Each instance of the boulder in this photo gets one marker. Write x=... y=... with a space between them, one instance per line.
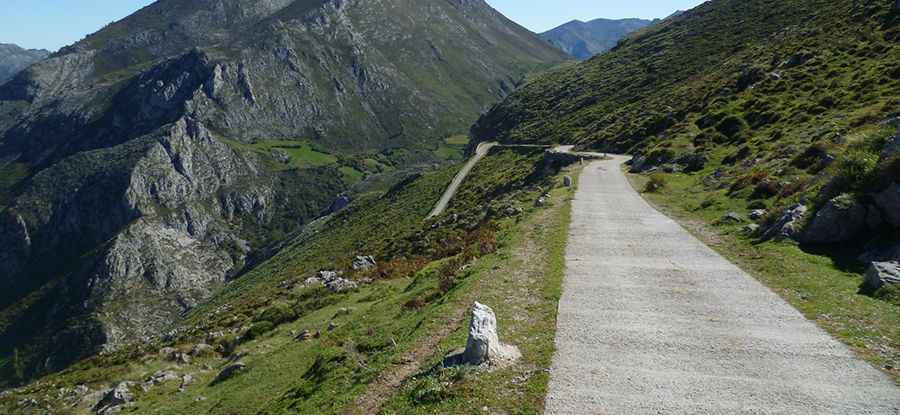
x=692 y=162
x=303 y=336
x=732 y=217
x=340 y=285
x=203 y=350
x=751 y=229
x=787 y=226
x=113 y=399
x=483 y=345
x=889 y=203
x=543 y=200
x=158 y=378
x=186 y=381
x=880 y=274
x=840 y=220
x=229 y=372
x=567 y=181
x=757 y=214
x=364 y=263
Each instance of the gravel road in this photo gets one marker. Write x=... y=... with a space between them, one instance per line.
x=654 y=322
x=480 y=152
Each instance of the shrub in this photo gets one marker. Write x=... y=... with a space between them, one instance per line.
x=856 y=169
x=428 y=391
x=278 y=313
x=258 y=329
x=657 y=182
x=731 y=126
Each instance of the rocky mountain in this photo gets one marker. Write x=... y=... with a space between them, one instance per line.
x=14 y=58
x=586 y=39
x=144 y=167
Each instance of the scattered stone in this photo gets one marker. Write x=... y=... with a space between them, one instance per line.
x=366 y=281
x=880 y=274
x=200 y=399
x=158 y=378
x=203 y=350
x=332 y=326
x=751 y=229
x=340 y=285
x=787 y=226
x=167 y=353
x=186 y=381
x=567 y=181
x=343 y=311
x=312 y=281
x=303 y=336
x=114 y=398
x=364 y=263
x=732 y=217
x=229 y=372
x=281 y=156
x=483 y=345
x=757 y=214
x=543 y=200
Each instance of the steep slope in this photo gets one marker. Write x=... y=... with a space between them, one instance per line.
x=769 y=120
x=149 y=163
x=13 y=59
x=586 y=39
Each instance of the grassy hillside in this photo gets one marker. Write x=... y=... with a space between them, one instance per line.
x=429 y=273
x=738 y=106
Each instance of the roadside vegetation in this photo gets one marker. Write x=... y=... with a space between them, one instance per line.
x=310 y=350
x=823 y=284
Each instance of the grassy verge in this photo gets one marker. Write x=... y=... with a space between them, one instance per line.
x=824 y=288
x=523 y=284
x=428 y=274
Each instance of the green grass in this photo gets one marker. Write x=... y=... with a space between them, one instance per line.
x=419 y=288
x=825 y=288
x=10 y=175
x=457 y=140
x=523 y=286
x=300 y=153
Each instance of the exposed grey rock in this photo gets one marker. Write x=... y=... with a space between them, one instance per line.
x=880 y=274
x=889 y=203
x=113 y=399
x=567 y=181
x=229 y=372
x=841 y=219
x=202 y=350
x=543 y=200
x=732 y=217
x=483 y=345
x=14 y=58
x=186 y=380
x=751 y=229
x=303 y=336
x=340 y=285
x=364 y=263
x=787 y=226
x=158 y=378
x=757 y=214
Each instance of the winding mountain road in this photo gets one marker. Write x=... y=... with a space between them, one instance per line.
x=652 y=321
x=482 y=150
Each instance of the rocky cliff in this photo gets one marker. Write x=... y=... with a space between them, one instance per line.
x=143 y=165
x=13 y=59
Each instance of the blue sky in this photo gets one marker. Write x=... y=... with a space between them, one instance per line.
x=51 y=24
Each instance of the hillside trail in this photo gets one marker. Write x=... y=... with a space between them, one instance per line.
x=482 y=150
x=652 y=321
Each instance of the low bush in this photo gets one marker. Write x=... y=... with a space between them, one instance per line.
x=657 y=182
x=258 y=329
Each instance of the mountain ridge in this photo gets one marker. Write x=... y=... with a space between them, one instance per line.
x=583 y=39
x=170 y=158
x=14 y=58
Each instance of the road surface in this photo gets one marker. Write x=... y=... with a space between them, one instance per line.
x=654 y=322
x=480 y=152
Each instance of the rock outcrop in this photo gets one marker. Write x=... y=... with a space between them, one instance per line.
x=146 y=188
x=880 y=274
x=841 y=219
x=787 y=227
